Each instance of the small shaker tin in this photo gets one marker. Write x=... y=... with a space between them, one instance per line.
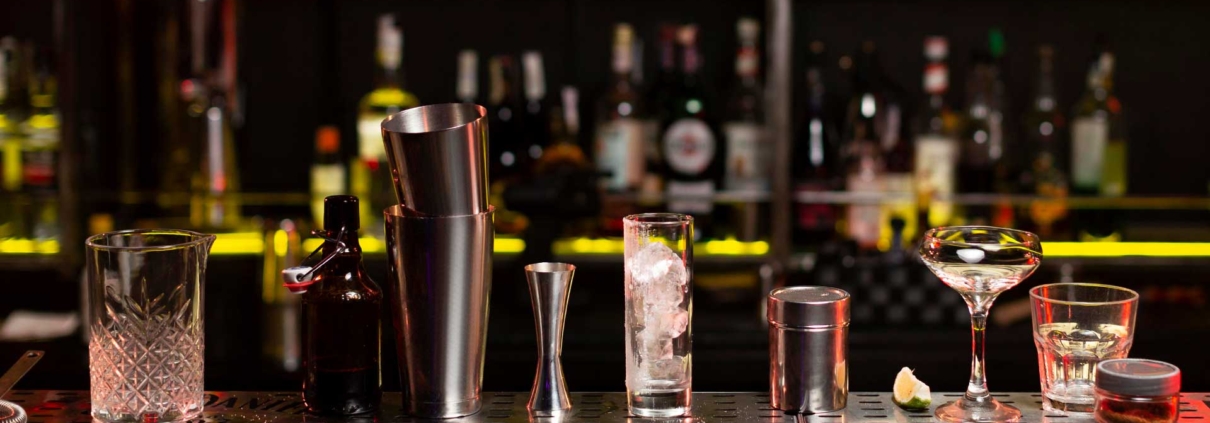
x=808 y=342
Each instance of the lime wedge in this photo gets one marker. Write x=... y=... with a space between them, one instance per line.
x=910 y=393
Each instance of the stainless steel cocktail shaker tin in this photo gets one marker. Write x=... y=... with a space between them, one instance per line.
x=808 y=344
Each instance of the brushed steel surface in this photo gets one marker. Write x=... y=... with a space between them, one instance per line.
x=589 y=407
x=438 y=158
x=549 y=288
x=15 y=373
x=439 y=269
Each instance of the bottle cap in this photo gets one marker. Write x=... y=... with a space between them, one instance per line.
x=936 y=48
x=748 y=29
x=809 y=307
x=327 y=139
x=341 y=211
x=1138 y=377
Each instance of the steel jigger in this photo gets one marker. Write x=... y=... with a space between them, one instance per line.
x=549 y=288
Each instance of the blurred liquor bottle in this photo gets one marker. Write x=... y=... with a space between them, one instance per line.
x=467 y=89
x=936 y=130
x=693 y=155
x=504 y=110
x=40 y=152
x=619 y=138
x=982 y=145
x=897 y=216
x=564 y=152
x=658 y=104
x=748 y=150
x=868 y=122
x=1045 y=132
x=536 y=121
x=14 y=109
x=1098 y=134
x=370 y=176
x=509 y=160
x=815 y=156
x=328 y=173
x=1098 y=155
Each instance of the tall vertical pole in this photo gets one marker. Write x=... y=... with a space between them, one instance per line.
x=779 y=83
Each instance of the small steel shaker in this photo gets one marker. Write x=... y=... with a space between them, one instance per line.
x=808 y=342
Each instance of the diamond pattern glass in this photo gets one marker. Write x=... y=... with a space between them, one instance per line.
x=146 y=325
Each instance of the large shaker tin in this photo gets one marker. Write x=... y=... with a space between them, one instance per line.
x=808 y=342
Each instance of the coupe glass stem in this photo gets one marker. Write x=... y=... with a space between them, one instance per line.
x=976 y=389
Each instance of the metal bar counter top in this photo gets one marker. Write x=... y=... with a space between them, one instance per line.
x=728 y=407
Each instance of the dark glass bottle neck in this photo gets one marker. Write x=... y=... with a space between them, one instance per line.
x=350 y=240
x=388 y=77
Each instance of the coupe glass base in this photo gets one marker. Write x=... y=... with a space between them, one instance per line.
x=964 y=410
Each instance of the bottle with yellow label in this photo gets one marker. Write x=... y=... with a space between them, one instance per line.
x=370 y=175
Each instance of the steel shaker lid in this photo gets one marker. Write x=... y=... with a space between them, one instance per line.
x=1138 y=377
x=809 y=306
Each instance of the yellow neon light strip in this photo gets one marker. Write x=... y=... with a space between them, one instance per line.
x=1125 y=249
x=29 y=246
x=374 y=245
x=727 y=247
x=254 y=243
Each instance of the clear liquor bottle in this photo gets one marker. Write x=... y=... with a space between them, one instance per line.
x=620 y=150
x=936 y=144
x=370 y=175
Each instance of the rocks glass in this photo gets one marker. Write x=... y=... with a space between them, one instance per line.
x=1076 y=325
x=659 y=308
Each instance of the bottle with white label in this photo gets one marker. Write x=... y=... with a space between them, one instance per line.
x=690 y=144
x=747 y=166
x=620 y=132
x=370 y=176
x=1098 y=154
x=936 y=157
x=1098 y=150
x=467 y=88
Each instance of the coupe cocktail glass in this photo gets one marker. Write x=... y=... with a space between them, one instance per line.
x=980 y=262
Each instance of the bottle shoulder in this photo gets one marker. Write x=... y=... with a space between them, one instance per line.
x=386 y=99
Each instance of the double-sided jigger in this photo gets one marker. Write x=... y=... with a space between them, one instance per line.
x=549 y=287
x=439 y=250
